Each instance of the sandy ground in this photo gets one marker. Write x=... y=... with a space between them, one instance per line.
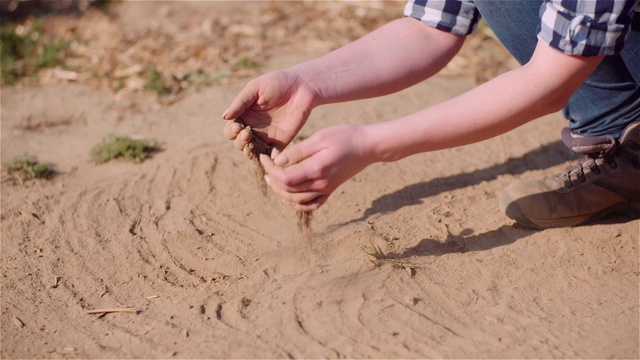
x=216 y=270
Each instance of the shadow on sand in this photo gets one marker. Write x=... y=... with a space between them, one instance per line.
x=462 y=243
x=544 y=157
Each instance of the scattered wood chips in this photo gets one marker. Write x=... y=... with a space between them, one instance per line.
x=214 y=48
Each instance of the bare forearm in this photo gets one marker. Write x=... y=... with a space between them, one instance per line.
x=541 y=87
x=394 y=57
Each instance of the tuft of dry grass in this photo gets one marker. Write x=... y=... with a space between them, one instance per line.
x=23 y=168
x=379 y=258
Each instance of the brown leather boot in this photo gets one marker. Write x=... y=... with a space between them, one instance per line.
x=605 y=181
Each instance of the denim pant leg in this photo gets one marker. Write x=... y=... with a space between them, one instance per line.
x=608 y=100
x=631 y=52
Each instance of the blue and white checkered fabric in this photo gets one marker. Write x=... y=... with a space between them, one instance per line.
x=574 y=27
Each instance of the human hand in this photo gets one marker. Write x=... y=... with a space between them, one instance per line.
x=276 y=105
x=307 y=173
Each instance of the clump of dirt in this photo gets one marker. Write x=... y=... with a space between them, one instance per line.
x=256 y=147
x=304 y=222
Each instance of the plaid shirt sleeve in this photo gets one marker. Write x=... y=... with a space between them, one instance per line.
x=587 y=27
x=458 y=17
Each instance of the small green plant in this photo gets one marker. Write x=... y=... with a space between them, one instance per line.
x=27 y=168
x=113 y=147
x=26 y=52
x=246 y=63
x=156 y=82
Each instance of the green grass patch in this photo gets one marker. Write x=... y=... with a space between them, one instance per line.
x=200 y=78
x=246 y=63
x=123 y=147
x=24 y=53
x=23 y=168
x=156 y=82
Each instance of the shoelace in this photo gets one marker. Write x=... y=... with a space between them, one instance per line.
x=587 y=163
x=598 y=147
x=608 y=155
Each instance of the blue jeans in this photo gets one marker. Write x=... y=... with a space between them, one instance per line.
x=608 y=100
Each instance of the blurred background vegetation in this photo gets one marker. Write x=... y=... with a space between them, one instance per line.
x=169 y=48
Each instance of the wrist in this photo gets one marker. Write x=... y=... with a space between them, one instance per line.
x=392 y=140
x=376 y=143
x=308 y=84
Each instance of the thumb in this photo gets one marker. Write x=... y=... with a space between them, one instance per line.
x=241 y=103
x=274 y=153
x=293 y=155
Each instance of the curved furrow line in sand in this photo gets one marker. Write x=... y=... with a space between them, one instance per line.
x=119 y=244
x=80 y=276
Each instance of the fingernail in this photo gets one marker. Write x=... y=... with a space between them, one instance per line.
x=224 y=114
x=236 y=128
x=244 y=135
x=274 y=152
x=281 y=159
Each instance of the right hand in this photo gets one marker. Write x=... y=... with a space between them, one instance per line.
x=306 y=174
x=276 y=106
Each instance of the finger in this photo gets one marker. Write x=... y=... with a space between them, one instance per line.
x=305 y=186
x=286 y=176
x=311 y=205
x=276 y=176
x=232 y=129
x=298 y=198
x=269 y=166
x=242 y=102
x=295 y=154
x=242 y=139
x=293 y=198
x=274 y=153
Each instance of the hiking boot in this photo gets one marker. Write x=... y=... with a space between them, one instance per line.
x=605 y=181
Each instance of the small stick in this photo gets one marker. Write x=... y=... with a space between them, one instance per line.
x=17 y=322
x=114 y=310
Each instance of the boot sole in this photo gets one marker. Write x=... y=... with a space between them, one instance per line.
x=631 y=210
x=513 y=211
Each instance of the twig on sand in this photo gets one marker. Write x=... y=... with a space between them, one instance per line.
x=17 y=322
x=113 y=310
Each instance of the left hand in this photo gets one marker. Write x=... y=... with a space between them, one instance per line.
x=307 y=173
